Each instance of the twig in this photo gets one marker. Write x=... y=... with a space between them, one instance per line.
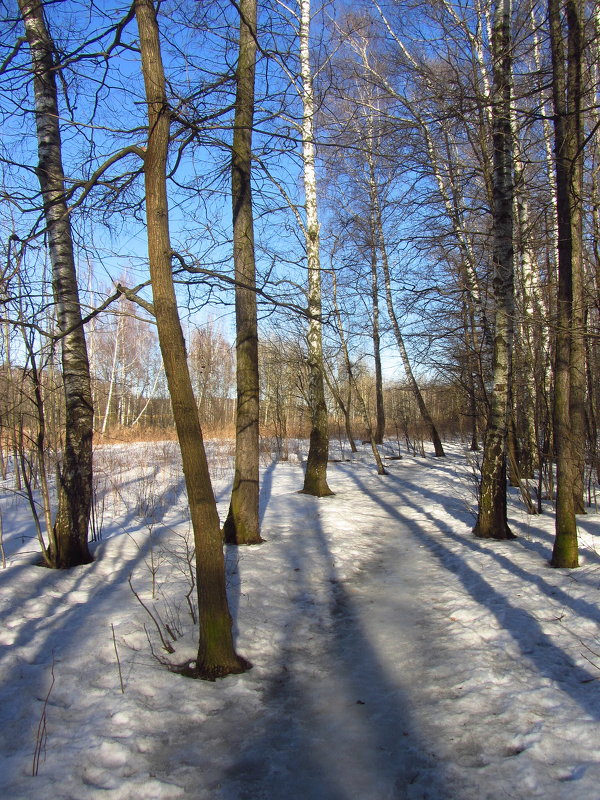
x=42 y=730
x=155 y=655
x=112 y=627
x=166 y=645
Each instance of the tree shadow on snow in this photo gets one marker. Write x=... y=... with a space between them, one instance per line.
x=579 y=606
x=535 y=645
x=52 y=634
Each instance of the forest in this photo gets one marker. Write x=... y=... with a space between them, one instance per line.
x=240 y=238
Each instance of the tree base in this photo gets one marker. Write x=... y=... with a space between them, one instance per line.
x=69 y=561
x=318 y=492
x=205 y=672
x=501 y=534
x=231 y=536
x=573 y=564
x=245 y=543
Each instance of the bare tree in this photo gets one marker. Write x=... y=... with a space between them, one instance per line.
x=362 y=407
x=315 y=479
x=242 y=525
x=70 y=539
x=491 y=518
x=568 y=149
x=216 y=653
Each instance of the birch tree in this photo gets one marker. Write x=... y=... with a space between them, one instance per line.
x=362 y=406
x=69 y=539
x=491 y=519
x=315 y=479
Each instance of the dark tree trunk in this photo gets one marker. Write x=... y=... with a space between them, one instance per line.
x=576 y=137
x=216 y=653
x=568 y=146
x=69 y=538
x=242 y=525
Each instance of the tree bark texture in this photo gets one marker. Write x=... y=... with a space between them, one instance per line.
x=69 y=538
x=216 y=653
x=315 y=478
x=566 y=91
x=491 y=519
x=242 y=525
x=533 y=317
x=574 y=13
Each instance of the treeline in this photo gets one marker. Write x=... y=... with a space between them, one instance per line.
x=132 y=401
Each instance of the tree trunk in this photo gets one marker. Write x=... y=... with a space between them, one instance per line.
x=113 y=376
x=242 y=525
x=315 y=478
x=576 y=135
x=568 y=146
x=491 y=519
x=216 y=653
x=379 y=240
x=379 y=432
x=533 y=331
x=75 y=480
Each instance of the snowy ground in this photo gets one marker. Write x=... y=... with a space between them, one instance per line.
x=395 y=656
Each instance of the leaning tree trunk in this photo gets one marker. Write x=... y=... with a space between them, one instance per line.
x=491 y=519
x=412 y=381
x=242 y=525
x=69 y=540
x=568 y=147
x=379 y=243
x=315 y=479
x=216 y=653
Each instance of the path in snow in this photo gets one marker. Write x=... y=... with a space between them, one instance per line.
x=337 y=721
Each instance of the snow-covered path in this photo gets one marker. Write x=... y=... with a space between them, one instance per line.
x=394 y=655
x=338 y=719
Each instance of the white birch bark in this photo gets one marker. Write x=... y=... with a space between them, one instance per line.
x=491 y=520
x=316 y=467
x=75 y=490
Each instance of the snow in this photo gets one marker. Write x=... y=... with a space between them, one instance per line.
x=395 y=655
